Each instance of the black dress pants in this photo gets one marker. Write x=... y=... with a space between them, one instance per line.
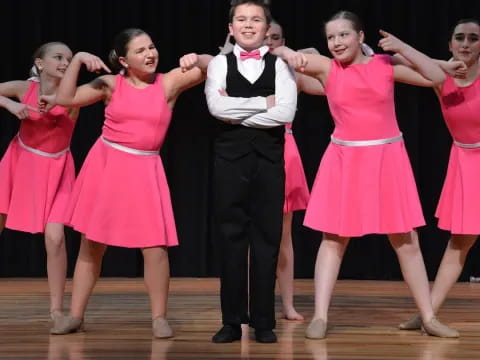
x=249 y=195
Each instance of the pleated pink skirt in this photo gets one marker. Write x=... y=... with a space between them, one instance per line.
x=34 y=189
x=458 y=209
x=122 y=199
x=364 y=190
x=296 y=188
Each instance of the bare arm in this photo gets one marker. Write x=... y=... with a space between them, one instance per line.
x=15 y=89
x=317 y=66
x=427 y=73
x=408 y=75
x=310 y=50
x=452 y=67
x=309 y=85
x=69 y=95
x=192 y=71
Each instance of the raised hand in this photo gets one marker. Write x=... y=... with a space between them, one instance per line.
x=92 y=62
x=390 y=42
x=227 y=46
x=188 y=62
x=20 y=110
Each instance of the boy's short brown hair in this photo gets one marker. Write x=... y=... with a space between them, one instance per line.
x=261 y=3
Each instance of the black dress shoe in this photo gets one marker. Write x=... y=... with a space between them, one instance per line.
x=265 y=336
x=227 y=334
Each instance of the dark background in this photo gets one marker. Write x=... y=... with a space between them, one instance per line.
x=178 y=27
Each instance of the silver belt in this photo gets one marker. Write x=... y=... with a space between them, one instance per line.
x=288 y=131
x=40 y=152
x=128 y=149
x=366 y=142
x=467 y=146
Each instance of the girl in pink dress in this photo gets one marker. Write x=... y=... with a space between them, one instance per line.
x=296 y=188
x=121 y=196
x=365 y=183
x=37 y=171
x=459 y=205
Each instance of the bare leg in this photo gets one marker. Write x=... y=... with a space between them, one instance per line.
x=415 y=275
x=451 y=266
x=56 y=264
x=87 y=271
x=285 y=270
x=329 y=259
x=413 y=269
x=327 y=267
x=157 y=277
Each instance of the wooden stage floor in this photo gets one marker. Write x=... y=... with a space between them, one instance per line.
x=363 y=320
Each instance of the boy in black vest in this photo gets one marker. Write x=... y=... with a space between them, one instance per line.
x=253 y=94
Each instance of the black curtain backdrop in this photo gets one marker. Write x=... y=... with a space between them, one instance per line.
x=179 y=27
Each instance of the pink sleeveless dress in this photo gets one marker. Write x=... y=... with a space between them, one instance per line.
x=296 y=188
x=458 y=209
x=121 y=195
x=361 y=190
x=37 y=171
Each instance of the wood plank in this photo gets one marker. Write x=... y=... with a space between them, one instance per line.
x=363 y=320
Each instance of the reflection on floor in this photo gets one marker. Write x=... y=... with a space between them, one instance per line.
x=362 y=324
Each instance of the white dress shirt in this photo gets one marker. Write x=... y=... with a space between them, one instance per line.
x=251 y=112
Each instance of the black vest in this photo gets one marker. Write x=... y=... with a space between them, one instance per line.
x=238 y=86
x=235 y=141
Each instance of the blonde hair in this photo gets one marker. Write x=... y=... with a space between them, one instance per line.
x=40 y=54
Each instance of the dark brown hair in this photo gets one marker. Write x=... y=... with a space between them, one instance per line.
x=120 y=46
x=357 y=24
x=275 y=22
x=261 y=3
x=463 y=21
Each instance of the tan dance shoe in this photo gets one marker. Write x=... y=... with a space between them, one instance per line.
x=67 y=325
x=317 y=329
x=415 y=323
x=436 y=328
x=161 y=329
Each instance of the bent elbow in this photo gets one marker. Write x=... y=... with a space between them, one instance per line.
x=439 y=79
x=214 y=110
x=289 y=115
